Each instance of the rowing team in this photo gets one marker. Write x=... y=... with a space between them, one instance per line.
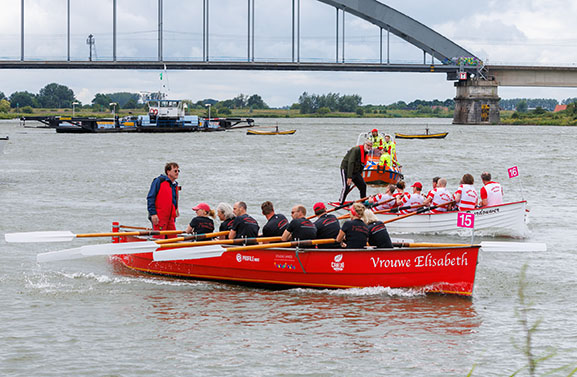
x=363 y=228
x=464 y=198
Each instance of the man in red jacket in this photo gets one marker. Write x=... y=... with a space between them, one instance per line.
x=162 y=199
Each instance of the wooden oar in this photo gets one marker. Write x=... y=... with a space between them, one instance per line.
x=65 y=236
x=201 y=236
x=398 y=209
x=135 y=248
x=134 y=227
x=339 y=207
x=217 y=250
x=419 y=211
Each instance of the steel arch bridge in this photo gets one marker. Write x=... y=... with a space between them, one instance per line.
x=445 y=55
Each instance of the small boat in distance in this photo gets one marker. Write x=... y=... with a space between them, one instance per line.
x=275 y=132
x=3 y=141
x=427 y=135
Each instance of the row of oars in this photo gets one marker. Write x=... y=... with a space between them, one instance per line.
x=204 y=246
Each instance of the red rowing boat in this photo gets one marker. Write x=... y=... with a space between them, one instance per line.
x=448 y=269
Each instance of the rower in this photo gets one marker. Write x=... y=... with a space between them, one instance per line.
x=438 y=196
x=243 y=225
x=413 y=200
x=327 y=225
x=300 y=228
x=201 y=223
x=354 y=233
x=491 y=192
x=276 y=222
x=466 y=196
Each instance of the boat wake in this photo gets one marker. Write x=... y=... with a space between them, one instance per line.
x=369 y=291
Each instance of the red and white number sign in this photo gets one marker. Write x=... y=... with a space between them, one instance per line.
x=465 y=220
x=513 y=172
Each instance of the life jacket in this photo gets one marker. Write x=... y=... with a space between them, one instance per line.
x=363 y=155
x=493 y=192
x=378 y=142
x=166 y=202
x=468 y=199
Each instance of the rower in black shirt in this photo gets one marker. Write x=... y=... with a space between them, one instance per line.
x=300 y=228
x=327 y=225
x=201 y=223
x=243 y=225
x=277 y=222
x=378 y=234
x=354 y=233
x=226 y=216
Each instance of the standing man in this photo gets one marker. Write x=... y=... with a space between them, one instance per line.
x=243 y=225
x=300 y=228
x=352 y=169
x=491 y=192
x=162 y=199
x=276 y=223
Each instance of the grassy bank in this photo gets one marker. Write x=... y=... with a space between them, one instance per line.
x=241 y=113
x=540 y=119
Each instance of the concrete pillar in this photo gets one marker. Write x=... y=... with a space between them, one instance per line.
x=477 y=102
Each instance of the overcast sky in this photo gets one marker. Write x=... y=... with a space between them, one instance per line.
x=528 y=32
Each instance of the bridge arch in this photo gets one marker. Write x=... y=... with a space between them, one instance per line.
x=403 y=26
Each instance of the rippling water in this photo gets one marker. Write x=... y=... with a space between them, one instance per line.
x=84 y=318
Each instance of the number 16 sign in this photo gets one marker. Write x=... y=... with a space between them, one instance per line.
x=465 y=220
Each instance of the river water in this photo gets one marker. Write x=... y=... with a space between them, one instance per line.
x=84 y=318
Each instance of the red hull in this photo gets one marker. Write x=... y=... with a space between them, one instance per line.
x=448 y=270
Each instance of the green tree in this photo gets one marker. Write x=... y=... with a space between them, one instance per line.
x=4 y=106
x=522 y=107
x=130 y=104
x=101 y=100
x=122 y=98
x=2 y=96
x=324 y=110
x=21 y=99
x=256 y=102
x=56 y=95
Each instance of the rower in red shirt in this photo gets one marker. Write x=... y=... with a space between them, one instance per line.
x=491 y=192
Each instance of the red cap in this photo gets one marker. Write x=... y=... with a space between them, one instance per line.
x=375 y=130
x=203 y=206
x=417 y=185
x=319 y=205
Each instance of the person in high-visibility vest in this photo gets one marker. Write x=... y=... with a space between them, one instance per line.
x=390 y=147
x=377 y=139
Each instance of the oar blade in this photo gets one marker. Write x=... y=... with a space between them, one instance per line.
x=60 y=255
x=57 y=236
x=185 y=253
x=514 y=246
x=119 y=248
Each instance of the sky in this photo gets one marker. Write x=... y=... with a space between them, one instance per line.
x=510 y=32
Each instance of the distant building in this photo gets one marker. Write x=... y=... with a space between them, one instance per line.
x=560 y=108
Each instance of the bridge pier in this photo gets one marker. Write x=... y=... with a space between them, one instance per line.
x=477 y=102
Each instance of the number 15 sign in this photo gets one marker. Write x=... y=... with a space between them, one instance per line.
x=465 y=220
